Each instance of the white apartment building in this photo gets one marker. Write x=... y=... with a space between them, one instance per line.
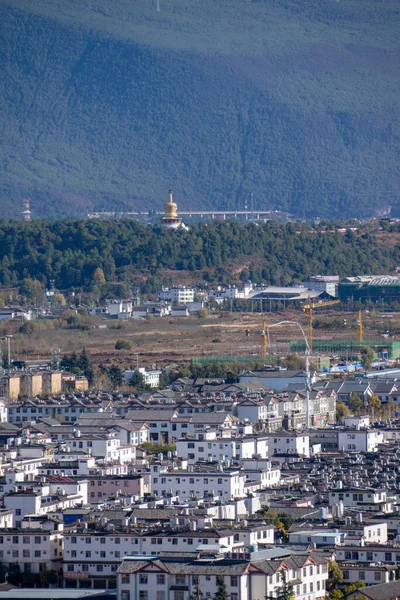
x=119 y=308
x=100 y=445
x=33 y=549
x=150 y=578
x=262 y=471
x=189 y=484
x=178 y=294
x=95 y=555
x=289 y=443
x=366 y=554
x=215 y=449
x=359 y=440
x=358 y=497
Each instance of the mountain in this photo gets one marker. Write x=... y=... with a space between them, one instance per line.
x=278 y=103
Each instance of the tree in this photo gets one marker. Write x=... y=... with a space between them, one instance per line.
x=355 y=403
x=335 y=575
x=375 y=405
x=32 y=290
x=352 y=587
x=115 y=375
x=335 y=595
x=367 y=356
x=284 y=591
x=342 y=411
x=14 y=574
x=197 y=594
x=123 y=345
x=222 y=593
x=137 y=380
x=27 y=328
x=203 y=313
x=98 y=276
x=48 y=577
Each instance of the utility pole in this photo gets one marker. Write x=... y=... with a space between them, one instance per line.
x=307 y=361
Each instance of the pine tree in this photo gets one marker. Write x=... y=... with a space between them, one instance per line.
x=284 y=591
x=222 y=593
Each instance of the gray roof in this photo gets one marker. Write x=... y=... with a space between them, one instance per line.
x=382 y=591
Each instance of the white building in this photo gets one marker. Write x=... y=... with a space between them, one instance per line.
x=376 y=499
x=188 y=484
x=179 y=294
x=150 y=578
x=354 y=440
x=33 y=548
x=151 y=378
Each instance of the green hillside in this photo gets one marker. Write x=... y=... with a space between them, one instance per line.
x=107 y=104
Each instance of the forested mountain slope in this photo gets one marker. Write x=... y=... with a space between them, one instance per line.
x=71 y=252
x=107 y=104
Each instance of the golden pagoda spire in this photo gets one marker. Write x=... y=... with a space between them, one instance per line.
x=171 y=218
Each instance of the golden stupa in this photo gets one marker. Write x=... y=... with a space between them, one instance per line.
x=170 y=218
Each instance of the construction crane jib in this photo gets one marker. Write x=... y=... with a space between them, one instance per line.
x=308 y=309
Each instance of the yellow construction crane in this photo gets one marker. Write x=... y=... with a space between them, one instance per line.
x=359 y=327
x=264 y=338
x=308 y=309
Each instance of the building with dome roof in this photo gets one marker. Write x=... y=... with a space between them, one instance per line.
x=171 y=218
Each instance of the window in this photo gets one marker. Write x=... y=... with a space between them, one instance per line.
x=117 y=554
x=370 y=556
x=361 y=575
x=125 y=579
x=88 y=540
x=125 y=595
x=143 y=595
x=195 y=580
x=388 y=556
x=85 y=567
x=38 y=539
x=180 y=579
x=377 y=575
x=73 y=540
x=311 y=587
x=25 y=539
x=102 y=540
x=234 y=581
x=88 y=554
x=15 y=553
x=143 y=579
x=26 y=553
x=99 y=568
x=161 y=595
x=73 y=553
x=160 y=579
x=38 y=554
x=70 y=568
x=102 y=553
x=15 y=539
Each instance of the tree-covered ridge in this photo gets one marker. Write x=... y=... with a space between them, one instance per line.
x=73 y=253
x=287 y=105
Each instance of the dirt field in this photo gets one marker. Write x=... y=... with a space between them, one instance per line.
x=165 y=340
